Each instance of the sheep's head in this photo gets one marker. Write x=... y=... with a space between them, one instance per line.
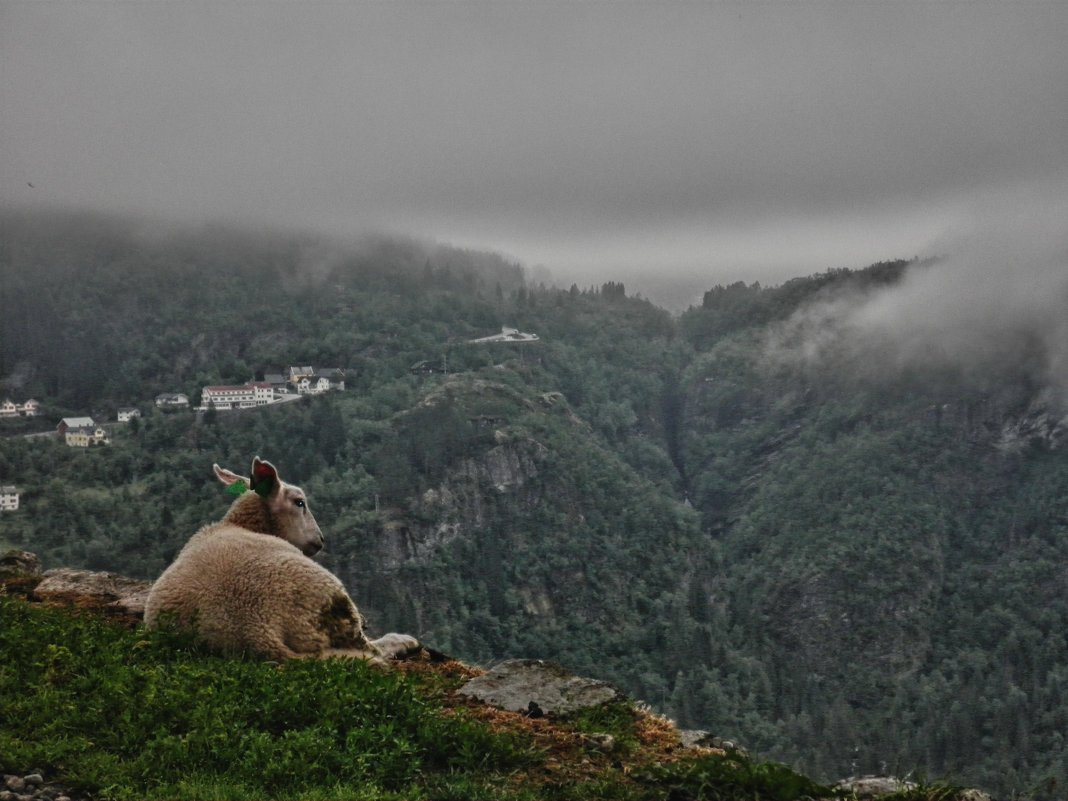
x=273 y=507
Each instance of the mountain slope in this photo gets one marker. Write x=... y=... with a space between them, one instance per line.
x=750 y=516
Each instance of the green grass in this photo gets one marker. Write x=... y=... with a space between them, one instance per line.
x=125 y=714
x=122 y=714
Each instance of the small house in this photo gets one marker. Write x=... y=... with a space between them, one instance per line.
x=67 y=423
x=172 y=400
x=507 y=335
x=84 y=436
x=295 y=374
x=278 y=383
x=9 y=499
x=330 y=378
x=28 y=409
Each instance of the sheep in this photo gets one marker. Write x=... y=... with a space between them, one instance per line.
x=246 y=584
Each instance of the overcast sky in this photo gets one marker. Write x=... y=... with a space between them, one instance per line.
x=604 y=140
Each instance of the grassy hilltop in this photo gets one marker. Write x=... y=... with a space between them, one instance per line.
x=120 y=713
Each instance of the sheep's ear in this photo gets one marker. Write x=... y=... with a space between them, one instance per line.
x=264 y=478
x=229 y=478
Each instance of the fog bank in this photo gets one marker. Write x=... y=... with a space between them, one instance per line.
x=995 y=298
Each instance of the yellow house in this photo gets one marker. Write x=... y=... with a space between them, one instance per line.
x=84 y=436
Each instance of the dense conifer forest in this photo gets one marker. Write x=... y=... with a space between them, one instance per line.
x=847 y=565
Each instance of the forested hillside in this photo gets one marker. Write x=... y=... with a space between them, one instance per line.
x=846 y=563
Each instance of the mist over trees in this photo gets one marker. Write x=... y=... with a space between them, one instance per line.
x=844 y=559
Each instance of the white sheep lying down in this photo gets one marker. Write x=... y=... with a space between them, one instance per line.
x=247 y=585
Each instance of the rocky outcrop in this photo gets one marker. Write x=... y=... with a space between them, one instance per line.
x=458 y=505
x=699 y=738
x=31 y=787
x=19 y=564
x=117 y=597
x=1042 y=425
x=873 y=787
x=539 y=688
x=1013 y=419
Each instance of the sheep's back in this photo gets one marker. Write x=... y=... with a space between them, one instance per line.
x=245 y=591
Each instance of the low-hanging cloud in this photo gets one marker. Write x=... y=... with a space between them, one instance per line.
x=994 y=297
x=709 y=141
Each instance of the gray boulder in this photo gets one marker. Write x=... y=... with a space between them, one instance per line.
x=539 y=688
x=875 y=786
x=16 y=563
x=86 y=587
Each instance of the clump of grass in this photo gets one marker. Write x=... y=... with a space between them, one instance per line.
x=616 y=719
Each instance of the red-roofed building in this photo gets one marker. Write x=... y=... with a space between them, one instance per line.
x=257 y=393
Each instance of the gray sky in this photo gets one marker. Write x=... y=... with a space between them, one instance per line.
x=708 y=142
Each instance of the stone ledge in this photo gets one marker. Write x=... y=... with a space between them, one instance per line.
x=539 y=688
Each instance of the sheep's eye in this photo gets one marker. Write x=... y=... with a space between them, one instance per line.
x=299 y=503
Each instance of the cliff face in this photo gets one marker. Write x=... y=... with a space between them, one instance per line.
x=524 y=535
x=466 y=500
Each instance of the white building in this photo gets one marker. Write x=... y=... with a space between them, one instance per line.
x=507 y=335
x=172 y=400
x=27 y=409
x=309 y=381
x=126 y=415
x=9 y=499
x=258 y=393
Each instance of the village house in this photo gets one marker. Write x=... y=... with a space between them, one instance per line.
x=172 y=400
x=507 y=335
x=333 y=376
x=9 y=499
x=278 y=383
x=320 y=381
x=273 y=388
x=295 y=374
x=67 y=423
x=128 y=414
x=27 y=409
x=84 y=436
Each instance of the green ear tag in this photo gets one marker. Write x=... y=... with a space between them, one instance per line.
x=263 y=488
x=237 y=488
